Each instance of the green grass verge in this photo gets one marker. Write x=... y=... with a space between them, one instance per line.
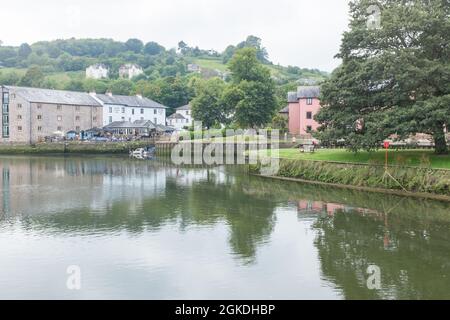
x=402 y=178
x=414 y=158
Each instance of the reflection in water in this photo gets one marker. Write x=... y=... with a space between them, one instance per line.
x=149 y=229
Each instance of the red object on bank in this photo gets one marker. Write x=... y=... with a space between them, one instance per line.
x=386 y=144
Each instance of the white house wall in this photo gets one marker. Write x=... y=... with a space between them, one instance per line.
x=112 y=113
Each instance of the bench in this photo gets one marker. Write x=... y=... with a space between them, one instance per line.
x=308 y=148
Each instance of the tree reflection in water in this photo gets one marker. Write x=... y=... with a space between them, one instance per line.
x=406 y=237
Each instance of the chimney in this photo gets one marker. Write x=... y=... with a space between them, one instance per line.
x=139 y=95
x=92 y=93
x=109 y=93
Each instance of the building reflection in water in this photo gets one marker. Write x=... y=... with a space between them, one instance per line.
x=407 y=238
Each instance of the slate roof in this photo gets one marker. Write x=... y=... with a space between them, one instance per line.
x=304 y=92
x=176 y=116
x=308 y=92
x=54 y=96
x=130 y=101
x=186 y=107
x=292 y=97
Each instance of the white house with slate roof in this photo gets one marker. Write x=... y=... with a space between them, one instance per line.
x=186 y=112
x=130 y=71
x=130 y=108
x=177 y=121
x=97 y=71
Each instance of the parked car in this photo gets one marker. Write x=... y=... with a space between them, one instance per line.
x=99 y=139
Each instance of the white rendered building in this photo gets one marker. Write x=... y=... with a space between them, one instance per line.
x=97 y=71
x=130 y=108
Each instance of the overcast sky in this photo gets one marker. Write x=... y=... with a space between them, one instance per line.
x=305 y=33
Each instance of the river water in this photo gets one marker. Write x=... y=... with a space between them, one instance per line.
x=116 y=228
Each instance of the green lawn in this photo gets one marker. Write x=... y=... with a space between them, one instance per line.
x=214 y=64
x=401 y=157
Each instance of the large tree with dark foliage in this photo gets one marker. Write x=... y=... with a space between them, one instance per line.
x=395 y=75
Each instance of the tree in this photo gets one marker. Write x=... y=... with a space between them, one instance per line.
x=280 y=122
x=252 y=93
x=207 y=106
x=172 y=92
x=24 y=51
x=394 y=79
x=153 y=48
x=255 y=42
x=182 y=46
x=75 y=85
x=228 y=54
x=121 y=87
x=32 y=78
x=134 y=45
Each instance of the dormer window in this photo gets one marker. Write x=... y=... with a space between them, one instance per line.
x=309 y=101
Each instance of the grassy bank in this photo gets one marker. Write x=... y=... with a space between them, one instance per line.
x=424 y=180
x=414 y=158
x=72 y=148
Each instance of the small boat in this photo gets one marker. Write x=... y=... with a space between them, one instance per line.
x=141 y=153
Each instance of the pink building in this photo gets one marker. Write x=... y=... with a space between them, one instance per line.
x=303 y=105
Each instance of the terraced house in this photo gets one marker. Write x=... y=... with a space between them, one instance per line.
x=130 y=108
x=31 y=114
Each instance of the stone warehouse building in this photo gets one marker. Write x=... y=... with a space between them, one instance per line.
x=30 y=114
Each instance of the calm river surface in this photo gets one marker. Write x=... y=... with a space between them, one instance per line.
x=149 y=230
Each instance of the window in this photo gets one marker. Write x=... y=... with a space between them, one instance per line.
x=19 y=106
x=309 y=115
x=308 y=128
x=39 y=116
x=5 y=131
x=77 y=108
x=132 y=111
x=5 y=119
x=39 y=128
x=94 y=118
x=142 y=111
x=59 y=118
x=77 y=118
x=110 y=109
x=77 y=128
x=154 y=111
x=59 y=128
x=19 y=117
x=123 y=118
x=309 y=101
x=58 y=107
x=156 y=120
x=123 y=110
x=13 y=96
x=187 y=121
x=39 y=106
x=110 y=119
x=142 y=118
x=19 y=128
x=5 y=108
x=5 y=97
